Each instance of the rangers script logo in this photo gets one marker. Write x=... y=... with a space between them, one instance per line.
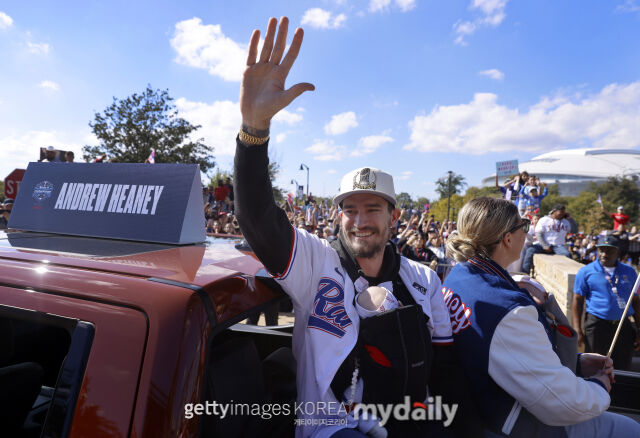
x=458 y=311
x=365 y=179
x=328 y=313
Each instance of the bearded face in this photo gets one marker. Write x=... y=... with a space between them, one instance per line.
x=365 y=224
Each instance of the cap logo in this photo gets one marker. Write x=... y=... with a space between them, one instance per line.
x=364 y=179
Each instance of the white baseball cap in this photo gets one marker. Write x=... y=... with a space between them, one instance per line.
x=620 y=207
x=367 y=180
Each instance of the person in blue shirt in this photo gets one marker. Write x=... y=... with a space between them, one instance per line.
x=605 y=285
x=532 y=199
x=507 y=346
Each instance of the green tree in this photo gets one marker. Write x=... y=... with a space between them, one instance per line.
x=619 y=191
x=403 y=198
x=439 y=208
x=457 y=184
x=588 y=213
x=129 y=128
x=421 y=201
x=479 y=192
x=553 y=197
x=219 y=174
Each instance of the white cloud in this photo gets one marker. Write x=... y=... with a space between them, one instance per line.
x=205 y=46
x=463 y=28
x=384 y=5
x=332 y=171
x=38 y=48
x=492 y=9
x=608 y=119
x=281 y=137
x=287 y=117
x=18 y=149
x=370 y=144
x=5 y=21
x=378 y=5
x=341 y=123
x=220 y=122
x=492 y=15
x=405 y=175
x=338 y=20
x=493 y=74
x=326 y=150
x=49 y=85
x=321 y=19
x=627 y=6
x=406 y=5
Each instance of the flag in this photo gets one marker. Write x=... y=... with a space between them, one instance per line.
x=599 y=200
x=290 y=200
x=152 y=157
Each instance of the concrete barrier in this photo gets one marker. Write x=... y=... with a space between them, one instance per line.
x=557 y=274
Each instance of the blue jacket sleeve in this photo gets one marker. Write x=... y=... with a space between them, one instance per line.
x=544 y=193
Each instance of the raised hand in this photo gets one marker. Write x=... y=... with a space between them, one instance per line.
x=262 y=93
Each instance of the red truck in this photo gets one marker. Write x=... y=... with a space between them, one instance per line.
x=108 y=338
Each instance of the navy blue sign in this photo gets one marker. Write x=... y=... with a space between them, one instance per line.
x=146 y=202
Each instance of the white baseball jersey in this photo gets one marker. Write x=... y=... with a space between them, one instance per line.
x=553 y=230
x=326 y=324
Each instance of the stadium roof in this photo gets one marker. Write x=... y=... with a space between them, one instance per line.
x=586 y=163
x=582 y=164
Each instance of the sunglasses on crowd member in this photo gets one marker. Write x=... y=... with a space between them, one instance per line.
x=525 y=225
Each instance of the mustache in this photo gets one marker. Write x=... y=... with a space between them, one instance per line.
x=360 y=230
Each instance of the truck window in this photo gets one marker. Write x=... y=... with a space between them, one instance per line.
x=42 y=363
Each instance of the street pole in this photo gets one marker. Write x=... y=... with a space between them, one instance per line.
x=449 y=198
x=302 y=167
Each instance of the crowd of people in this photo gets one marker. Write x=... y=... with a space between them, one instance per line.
x=219 y=209
x=420 y=237
x=558 y=232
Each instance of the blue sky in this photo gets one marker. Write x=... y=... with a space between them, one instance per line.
x=414 y=87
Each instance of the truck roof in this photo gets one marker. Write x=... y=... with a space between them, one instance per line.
x=197 y=264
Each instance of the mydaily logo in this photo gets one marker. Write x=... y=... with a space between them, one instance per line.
x=433 y=410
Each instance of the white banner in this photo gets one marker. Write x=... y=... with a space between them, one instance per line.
x=507 y=168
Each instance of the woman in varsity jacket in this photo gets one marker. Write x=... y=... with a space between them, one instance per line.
x=506 y=344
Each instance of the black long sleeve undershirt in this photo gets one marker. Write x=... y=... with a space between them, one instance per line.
x=264 y=225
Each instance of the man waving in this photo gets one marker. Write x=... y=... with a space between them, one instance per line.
x=329 y=284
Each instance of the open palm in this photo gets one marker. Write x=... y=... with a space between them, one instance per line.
x=262 y=93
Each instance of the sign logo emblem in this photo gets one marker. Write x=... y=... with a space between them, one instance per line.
x=42 y=191
x=365 y=179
